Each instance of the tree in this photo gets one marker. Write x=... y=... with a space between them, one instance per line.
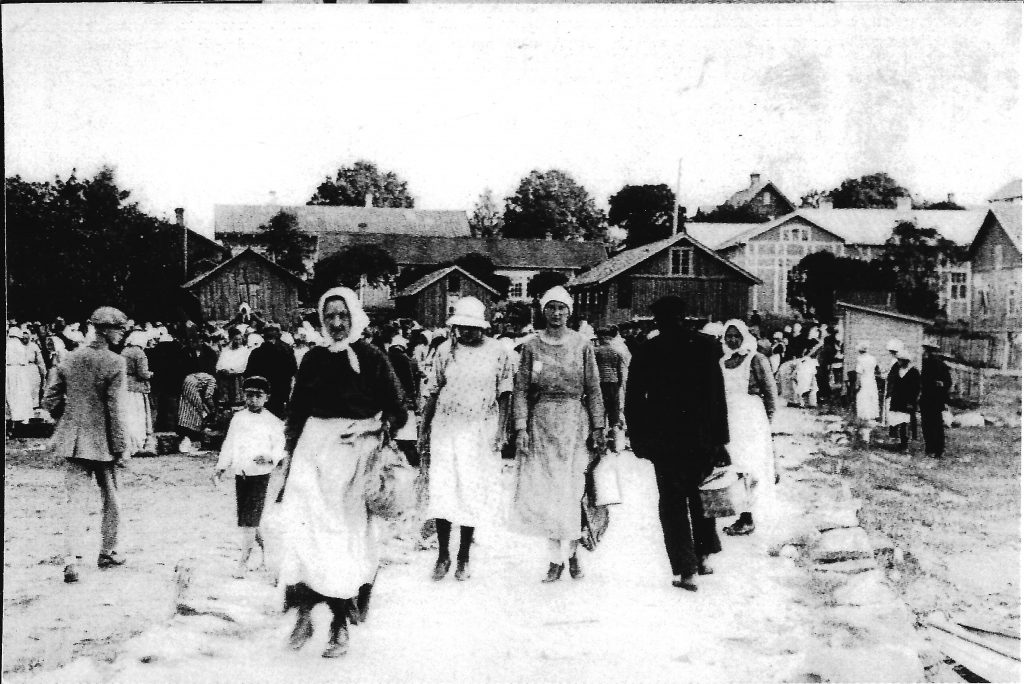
x=552 y=203
x=353 y=265
x=286 y=245
x=727 y=213
x=873 y=191
x=486 y=221
x=352 y=184
x=912 y=255
x=544 y=281
x=75 y=244
x=946 y=204
x=815 y=283
x=644 y=212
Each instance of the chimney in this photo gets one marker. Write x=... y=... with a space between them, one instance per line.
x=951 y=198
x=825 y=204
x=755 y=180
x=179 y=216
x=903 y=204
x=368 y=200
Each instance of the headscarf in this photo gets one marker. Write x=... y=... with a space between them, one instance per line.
x=747 y=346
x=713 y=328
x=357 y=316
x=14 y=332
x=557 y=294
x=137 y=338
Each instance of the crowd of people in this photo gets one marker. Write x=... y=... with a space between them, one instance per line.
x=321 y=400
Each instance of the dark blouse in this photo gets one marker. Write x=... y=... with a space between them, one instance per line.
x=327 y=387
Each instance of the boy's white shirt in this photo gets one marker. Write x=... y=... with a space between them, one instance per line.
x=251 y=435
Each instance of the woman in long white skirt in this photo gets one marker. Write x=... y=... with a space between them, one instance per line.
x=750 y=396
x=866 y=392
x=138 y=417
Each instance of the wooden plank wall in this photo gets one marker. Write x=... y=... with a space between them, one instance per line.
x=219 y=295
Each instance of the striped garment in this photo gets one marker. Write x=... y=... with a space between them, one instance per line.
x=196 y=398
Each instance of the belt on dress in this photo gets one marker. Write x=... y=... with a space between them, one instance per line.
x=557 y=396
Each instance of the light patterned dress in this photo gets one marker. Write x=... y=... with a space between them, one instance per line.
x=465 y=464
x=558 y=400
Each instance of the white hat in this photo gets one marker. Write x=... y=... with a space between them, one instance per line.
x=470 y=312
x=14 y=332
x=894 y=345
x=557 y=294
x=903 y=353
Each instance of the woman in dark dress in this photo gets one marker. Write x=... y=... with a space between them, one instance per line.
x=346 y=396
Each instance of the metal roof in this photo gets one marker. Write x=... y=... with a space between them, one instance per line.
x=431 y=278
x=247 y=218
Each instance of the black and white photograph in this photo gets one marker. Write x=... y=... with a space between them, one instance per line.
x=512 y=342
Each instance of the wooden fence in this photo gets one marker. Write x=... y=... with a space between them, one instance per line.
x=992 y=351
x=968 y=382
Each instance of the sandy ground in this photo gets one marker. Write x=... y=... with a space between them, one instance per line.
x=957 y=523
x=752 y=620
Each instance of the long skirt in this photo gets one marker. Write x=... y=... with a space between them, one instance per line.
x=330 y=541
x=138 y=420
x=18 y=393
x=750 y=446
x=867 y=401
x=787 y=380
x=550 y=478
x=464 y=481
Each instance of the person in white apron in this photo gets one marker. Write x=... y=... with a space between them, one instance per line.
x=750 y=397
x=866 y=392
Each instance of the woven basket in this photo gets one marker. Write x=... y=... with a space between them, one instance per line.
x=719 y=493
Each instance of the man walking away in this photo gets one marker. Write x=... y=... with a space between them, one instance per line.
x=611 y=368
x=86 y=397
x=676 y=412
x=935 y=384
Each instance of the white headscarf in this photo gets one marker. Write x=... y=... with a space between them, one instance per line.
x=713 y=328
x=747 y=346
x=358 y=318
x=137 y=338
x=557 y=294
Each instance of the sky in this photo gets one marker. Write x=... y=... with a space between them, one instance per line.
x=202 y=105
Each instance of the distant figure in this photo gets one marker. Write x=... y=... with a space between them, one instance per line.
x=903 y=388
x=865 y=391
x=275 y=361
x=935 y=384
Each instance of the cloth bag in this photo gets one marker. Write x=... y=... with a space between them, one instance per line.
x=605 y=472
x=719 y=493
x=390 y=483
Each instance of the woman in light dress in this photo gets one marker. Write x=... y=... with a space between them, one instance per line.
x=464 y=425
x=750 y=397
x=559 y=418
x=866 y=392
x=138 y=416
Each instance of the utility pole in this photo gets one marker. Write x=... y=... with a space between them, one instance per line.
x=675 y=201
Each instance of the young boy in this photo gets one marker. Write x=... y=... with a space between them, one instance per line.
x=252 y=447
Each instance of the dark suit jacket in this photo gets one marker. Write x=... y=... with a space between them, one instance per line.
x=87 y=396
x=675 y=403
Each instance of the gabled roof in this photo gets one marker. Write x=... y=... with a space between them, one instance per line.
x=247 y=218
x=738 y=199
x=1006 y=217
x=1010 y=191
x=883 y=312
x=420 y=250
x=431 y=278
x=741 y=233
x=714 y=235
x=875 y=226
x=626 y=260
x=248 y=253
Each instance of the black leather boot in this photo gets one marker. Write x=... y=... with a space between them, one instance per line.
x=575 y=571
x=303 y=630
x=337 y=646
x=554 y=572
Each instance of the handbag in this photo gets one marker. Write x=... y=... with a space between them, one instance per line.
x=606 y=481
x=390 y=483
x=719 y=492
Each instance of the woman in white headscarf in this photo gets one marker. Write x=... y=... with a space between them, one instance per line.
x=750 y=396
x=345 y=396
x=18 y=378
x=138 y=416
x=557 y=405
x=866 y=391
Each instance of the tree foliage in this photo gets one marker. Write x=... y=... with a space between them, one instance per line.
x=349 y=266
x=820 y=278
x=284 y=242
x=644 y=212
x=544 y=281
x=913 y=256
x=75 y=244
x=352 y=184
x=552 y=203
x=486 y=220
x=873 y=191
x=944 y=204
x=727 y=213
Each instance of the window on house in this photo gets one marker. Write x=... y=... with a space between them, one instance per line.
x=516 y=289
x=681 y=261
x=624 y=299
x=805 y=234
x=997 y=257
x=982 y=301
x=766 y=197
x=958 y=286
x=785 y=235
x=1011 y=302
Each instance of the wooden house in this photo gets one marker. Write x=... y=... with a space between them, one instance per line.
x=430 y=299
x=624 y=287
x=762 y=197
x=877 y=327
x=250 y=278
x=995 y=257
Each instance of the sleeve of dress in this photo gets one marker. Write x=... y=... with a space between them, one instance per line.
x=717 y=416
x=437 y=370
x=506 y=374
x=766 y=389
x=389 y=393
x=142 y=371
x=299 y=405
x=521 y=389
x=53 y=400
x=592 y=386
